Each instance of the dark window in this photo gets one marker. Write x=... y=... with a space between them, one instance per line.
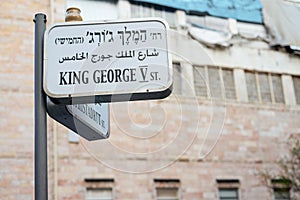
x=228 y=189
x=228 y=194
x=281 y=193
x=281 y=189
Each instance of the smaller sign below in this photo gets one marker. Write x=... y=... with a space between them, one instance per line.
x=96 y=115
x=91 y=121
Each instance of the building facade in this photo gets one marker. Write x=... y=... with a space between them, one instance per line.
x=235 y=104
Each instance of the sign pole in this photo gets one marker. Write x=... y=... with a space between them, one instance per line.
x=40 y=119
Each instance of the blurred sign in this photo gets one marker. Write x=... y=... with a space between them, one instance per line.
x=96 y=116
x=91 y=121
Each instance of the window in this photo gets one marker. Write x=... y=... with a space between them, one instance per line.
x=277 y=88
x=229 y=85
x=296 y=81
x=228 y=189
x=200 y=81
x=177 y=78
x=167 y=193
x=281 y=189
x=251 y=87
x=99 y=194
x=264 y=87
x=139 y=9
x=214 y=82
x=228 y=194
x=167 y=189
x=281 y=193
x=99 y=189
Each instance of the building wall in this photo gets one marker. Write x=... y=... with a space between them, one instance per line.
x=16 y=91
x=252 y=139
x=210 y=140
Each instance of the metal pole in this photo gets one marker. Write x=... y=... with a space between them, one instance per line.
x=40 y=119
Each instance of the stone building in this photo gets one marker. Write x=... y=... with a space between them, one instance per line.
x=234 y=105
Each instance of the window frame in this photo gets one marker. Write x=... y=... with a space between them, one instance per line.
x=258 y=87
x=236 y=190
x=277 y=189
x=223 y=88
x=228 y=184
x=281 y=184
x=167 y=198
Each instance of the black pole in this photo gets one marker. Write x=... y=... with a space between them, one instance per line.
x=40 y=119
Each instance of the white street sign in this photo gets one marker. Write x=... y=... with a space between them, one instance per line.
x=108 y=59
x=96 y=116
x=91 y=121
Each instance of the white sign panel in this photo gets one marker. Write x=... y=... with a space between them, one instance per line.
x=96 y=116
x=109 y=58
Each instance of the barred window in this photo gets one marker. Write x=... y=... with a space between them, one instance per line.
x=200 y=81
x=214 y=79
x=264 y=87
x=230 y=92
x=251 y=86
x=296 y=81
x=277 y=88
x=214 y=82
x=177 y=88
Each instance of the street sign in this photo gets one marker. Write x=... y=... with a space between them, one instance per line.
x=91 y=121
x=94 y=115
x=107 y=61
